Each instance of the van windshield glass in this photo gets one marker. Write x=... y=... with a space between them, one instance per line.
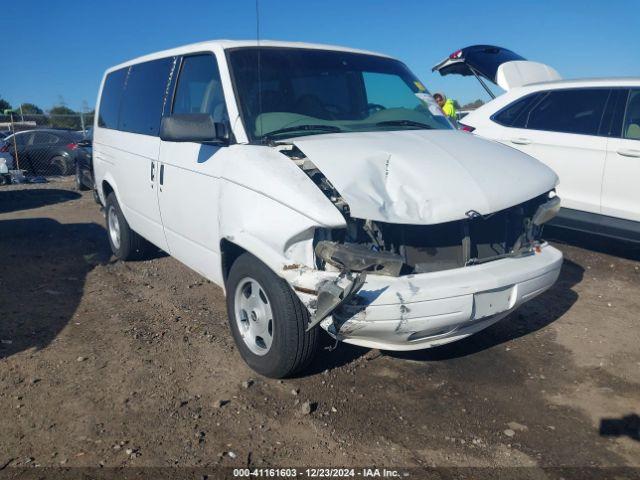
x=311 y=92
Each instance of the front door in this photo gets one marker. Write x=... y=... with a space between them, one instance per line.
x=189 y=172
x=620 y=191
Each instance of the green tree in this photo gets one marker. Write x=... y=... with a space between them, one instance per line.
x=4 y=105
x=30 y=112
x=30 y=109
x=473 y=105
x=62 y=116
x=62 y=110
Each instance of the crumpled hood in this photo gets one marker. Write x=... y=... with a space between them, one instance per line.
x=425 y=177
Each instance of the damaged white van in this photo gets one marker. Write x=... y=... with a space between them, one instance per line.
x=322 y=189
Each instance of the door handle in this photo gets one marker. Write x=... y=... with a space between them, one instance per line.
x=629 y=153
x=521 y=141
x=162 y=174
x=153 y=171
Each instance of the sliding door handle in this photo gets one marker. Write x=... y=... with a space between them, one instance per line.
x=162 y=174
x=521 y=141
x=629 y=152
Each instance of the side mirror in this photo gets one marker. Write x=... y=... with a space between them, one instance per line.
x=193 y=127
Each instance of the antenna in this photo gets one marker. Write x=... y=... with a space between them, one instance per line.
x=259 y=69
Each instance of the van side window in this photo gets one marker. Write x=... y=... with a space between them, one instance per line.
x=570 y=111
x=631 y=129
x=110 y=99
x=144 y=92
x=199 y=88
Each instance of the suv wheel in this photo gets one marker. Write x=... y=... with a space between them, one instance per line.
x=267 y=320
x=60 y=165
x=125 y=243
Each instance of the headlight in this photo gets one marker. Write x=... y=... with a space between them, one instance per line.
x=546 y=211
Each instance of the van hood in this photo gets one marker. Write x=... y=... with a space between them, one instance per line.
x=425 y=177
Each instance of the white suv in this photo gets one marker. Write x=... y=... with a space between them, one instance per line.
x=588 y=131
x=322 y=188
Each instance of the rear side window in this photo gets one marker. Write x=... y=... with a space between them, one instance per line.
x=516 y=114
x=143 y=98
x=24 y=138
x=611 y=125
x=42 y=138
x=631 y=128
x=110 y=99
x=570 y=111
x=199 y=88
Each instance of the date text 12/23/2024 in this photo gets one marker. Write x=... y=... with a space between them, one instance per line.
x=318 y=473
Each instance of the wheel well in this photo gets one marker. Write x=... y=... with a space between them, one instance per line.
x=229 y=252
x=106 y=189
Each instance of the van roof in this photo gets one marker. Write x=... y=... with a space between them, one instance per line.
x=229 y=44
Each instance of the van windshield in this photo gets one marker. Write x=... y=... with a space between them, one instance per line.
x=300 y=91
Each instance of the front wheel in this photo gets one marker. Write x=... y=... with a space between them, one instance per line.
x=267 y=320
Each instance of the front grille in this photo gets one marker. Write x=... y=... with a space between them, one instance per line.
x=430 y=248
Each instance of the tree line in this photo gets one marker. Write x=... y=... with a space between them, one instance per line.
x=59 y=116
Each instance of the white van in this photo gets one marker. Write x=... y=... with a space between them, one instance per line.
x=322 y=188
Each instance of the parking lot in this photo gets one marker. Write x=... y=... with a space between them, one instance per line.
x=104 y=363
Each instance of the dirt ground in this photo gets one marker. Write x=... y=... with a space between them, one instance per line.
x=104 y=363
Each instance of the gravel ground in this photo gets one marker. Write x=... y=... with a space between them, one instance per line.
x=104 y=363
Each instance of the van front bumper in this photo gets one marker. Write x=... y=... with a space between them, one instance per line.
x=426 y=310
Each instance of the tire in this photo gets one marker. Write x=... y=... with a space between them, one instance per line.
x=291 y=348
x=125 y=243
x=60 y=165
x=79 y=185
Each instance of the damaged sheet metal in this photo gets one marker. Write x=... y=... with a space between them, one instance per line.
x=331 y=294
x=422 y=176
x=359 y=258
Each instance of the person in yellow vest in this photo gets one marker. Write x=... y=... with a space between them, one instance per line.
x=447 y=106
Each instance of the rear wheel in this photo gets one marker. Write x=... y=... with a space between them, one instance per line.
x=125 y=243
x=267 y=320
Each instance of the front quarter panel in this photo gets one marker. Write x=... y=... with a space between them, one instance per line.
x=269 y=207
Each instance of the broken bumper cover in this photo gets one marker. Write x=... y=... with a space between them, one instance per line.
x=426 y=310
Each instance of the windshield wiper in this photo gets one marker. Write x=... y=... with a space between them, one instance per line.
x=302 y=128
x=404 y=123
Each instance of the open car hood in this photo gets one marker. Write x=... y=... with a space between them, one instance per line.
x=496 y=64
x=424 y=177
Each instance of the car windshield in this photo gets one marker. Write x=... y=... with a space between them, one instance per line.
x=287 y=92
